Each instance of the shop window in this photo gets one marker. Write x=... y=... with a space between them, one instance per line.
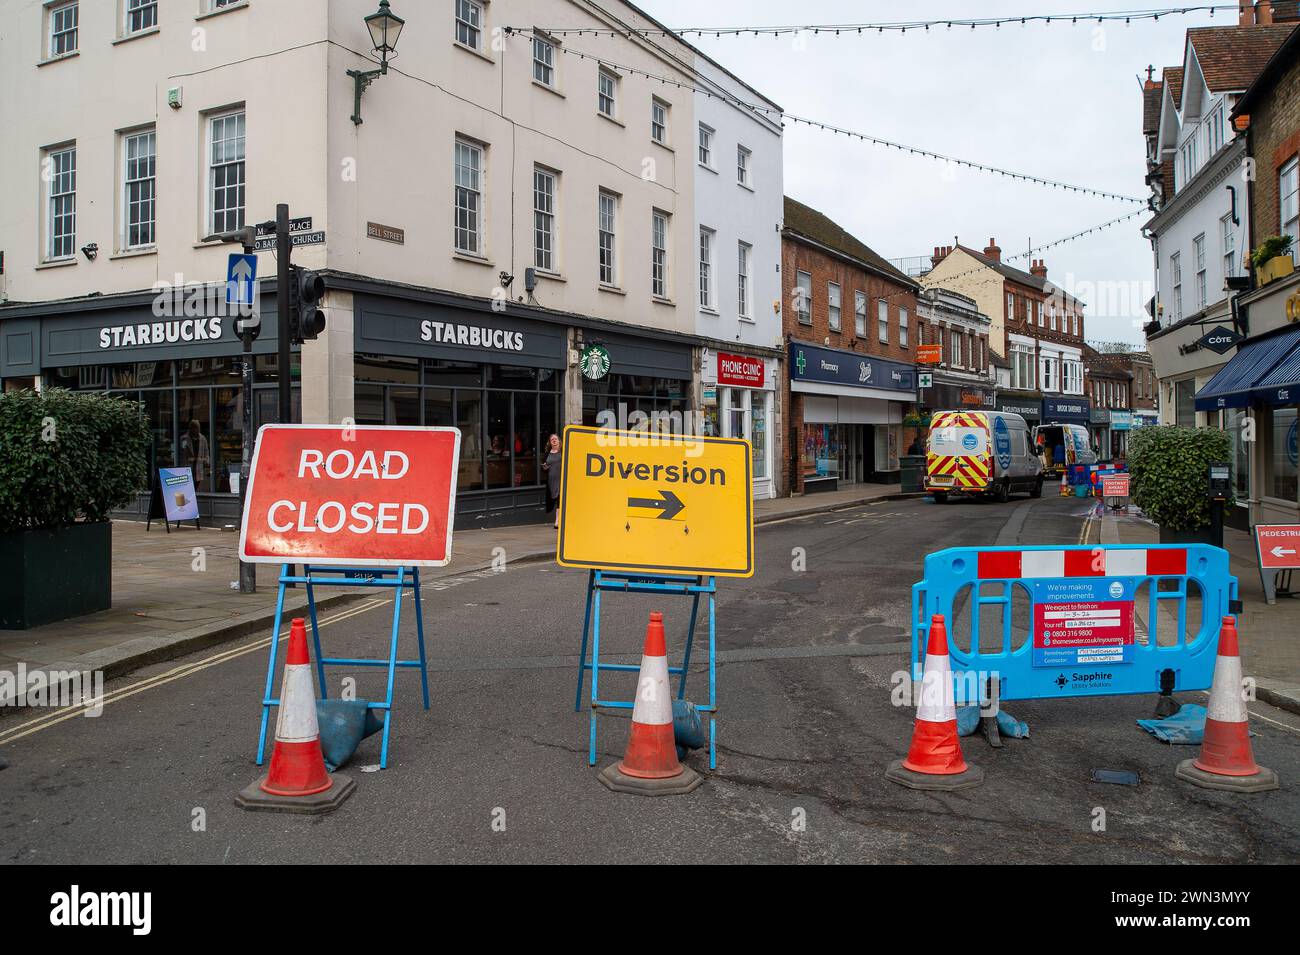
x=368 y=405
x=524 y=428
x=1184 y=403
x=228 y=443
x=193 y=407
x=439 y=409
x=758 y=433
x=1282 y=480
x=403 y=406
x=449 y=373
x=499 y=438
x=469 y=418
x=388 y=368
x=511 y=376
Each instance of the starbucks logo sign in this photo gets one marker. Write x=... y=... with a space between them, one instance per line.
x=594 y=362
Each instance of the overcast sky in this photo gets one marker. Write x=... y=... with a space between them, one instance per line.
x=1060 y=101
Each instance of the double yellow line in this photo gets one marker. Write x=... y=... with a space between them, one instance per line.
x=55 y=717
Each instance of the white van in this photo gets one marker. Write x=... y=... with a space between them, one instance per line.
x=1061 y=445
x=980 y=454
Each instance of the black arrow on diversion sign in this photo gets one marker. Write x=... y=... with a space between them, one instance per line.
x=669 y=507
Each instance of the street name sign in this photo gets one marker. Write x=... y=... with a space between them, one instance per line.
x=357 y=495
x=659 y=503
x=1279 y=546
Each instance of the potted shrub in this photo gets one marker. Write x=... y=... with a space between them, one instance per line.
x=1170 y=470
x=66 y=460
x=1272 y=259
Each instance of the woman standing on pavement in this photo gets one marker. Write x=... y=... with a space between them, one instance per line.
x=552 y=468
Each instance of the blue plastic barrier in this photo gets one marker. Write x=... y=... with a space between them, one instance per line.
x=1080 y=638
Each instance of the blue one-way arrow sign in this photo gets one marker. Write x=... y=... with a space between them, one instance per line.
x=241 y=274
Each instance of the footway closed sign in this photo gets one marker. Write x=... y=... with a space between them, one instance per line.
x=359 y=495
x=658 y=503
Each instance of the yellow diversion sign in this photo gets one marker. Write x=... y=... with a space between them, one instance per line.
x=677 y=504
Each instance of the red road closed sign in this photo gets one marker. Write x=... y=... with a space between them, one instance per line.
x=1279 y=546
x=360 y=495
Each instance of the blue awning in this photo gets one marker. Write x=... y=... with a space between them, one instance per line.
x=1265 y=369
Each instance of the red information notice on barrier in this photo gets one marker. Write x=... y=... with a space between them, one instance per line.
x=1279 y=546
x=1115 y=486
x=359 y=495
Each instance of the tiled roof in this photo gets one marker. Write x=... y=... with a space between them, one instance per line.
x=1231 y=57
x=1287 y=55
x=1172 y=76
x=808 y=222
x=1018 y=275
x=1151 y=96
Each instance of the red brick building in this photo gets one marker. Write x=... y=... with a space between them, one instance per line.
x=851 y=328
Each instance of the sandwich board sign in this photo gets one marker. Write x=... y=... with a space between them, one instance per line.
x=354 y=495
x=659 y=503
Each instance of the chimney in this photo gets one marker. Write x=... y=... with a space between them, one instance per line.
x=1256 y=13
x=1038 y=267
x=992 y=250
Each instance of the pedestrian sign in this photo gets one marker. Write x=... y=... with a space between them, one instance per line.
x=336 y=495
x=241 y=279
x=660 y=503
x=1279 y=546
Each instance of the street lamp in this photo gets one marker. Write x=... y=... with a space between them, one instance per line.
x=385 y=27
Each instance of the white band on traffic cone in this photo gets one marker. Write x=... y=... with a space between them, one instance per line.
x=936 y=703
x=653 y=706
x=296 y=721
x=1226 y=704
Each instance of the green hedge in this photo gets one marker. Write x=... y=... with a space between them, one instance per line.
x=1170 y=473
x=67 y=456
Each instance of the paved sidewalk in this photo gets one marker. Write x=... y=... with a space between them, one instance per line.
x=172 y=592
x=1270 y=636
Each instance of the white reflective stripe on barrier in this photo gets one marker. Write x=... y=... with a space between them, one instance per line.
x=1042 y=563
x=654 y=702
x=296 y=721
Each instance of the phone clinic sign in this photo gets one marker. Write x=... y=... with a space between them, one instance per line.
x=358 y=495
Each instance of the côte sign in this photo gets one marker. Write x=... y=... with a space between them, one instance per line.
x=358 y=495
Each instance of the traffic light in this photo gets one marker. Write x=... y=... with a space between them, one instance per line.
x=306 y=320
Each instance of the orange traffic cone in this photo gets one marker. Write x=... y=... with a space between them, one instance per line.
x=1227 y=760
x=934 y=760
x=1065 y=485
x=650 y=766
x=297 y=780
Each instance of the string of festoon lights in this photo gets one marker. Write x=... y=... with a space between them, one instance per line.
x=1036 y=250
x=786 y=117
x=902 y=26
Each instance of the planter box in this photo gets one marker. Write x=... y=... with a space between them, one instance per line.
x=1199 y=536
x=52 y=574
x=1275 y=268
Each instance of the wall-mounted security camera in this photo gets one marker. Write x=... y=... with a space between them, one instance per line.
x=90 y=250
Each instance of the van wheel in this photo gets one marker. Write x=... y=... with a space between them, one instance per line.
x=941 y=497
x=1002 y=493
x=1038 y=488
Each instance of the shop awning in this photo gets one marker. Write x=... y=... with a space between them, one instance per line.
x=1264 y=370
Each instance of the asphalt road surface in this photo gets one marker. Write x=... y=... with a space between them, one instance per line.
x=496 y=770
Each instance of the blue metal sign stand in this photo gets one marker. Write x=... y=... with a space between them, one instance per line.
x=663 y=584
x=1080 y=639
x=398 y=579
